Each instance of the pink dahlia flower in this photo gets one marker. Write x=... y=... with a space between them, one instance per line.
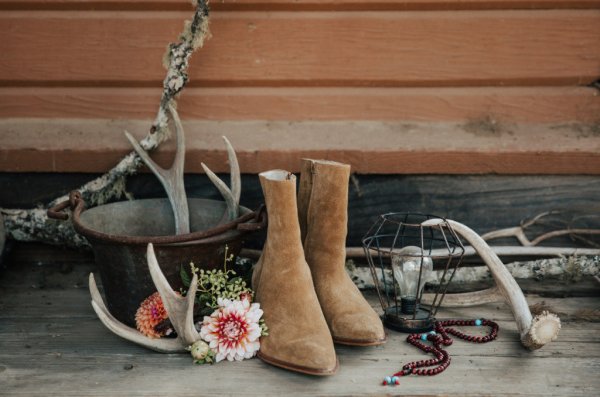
x=233 y=330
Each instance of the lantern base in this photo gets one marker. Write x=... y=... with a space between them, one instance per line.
x=420 y=322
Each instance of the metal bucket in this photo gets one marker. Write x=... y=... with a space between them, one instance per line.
x=120 y=232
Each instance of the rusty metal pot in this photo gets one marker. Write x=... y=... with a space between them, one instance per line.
x=119 y=233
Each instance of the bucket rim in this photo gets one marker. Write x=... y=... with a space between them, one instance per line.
x=246 y=223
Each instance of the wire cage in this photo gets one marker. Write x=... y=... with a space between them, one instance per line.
x=407 y=252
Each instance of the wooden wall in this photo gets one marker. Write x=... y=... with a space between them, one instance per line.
x=391 y=86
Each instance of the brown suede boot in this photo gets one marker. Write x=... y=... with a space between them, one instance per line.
x=299 y=339
x=323 y=213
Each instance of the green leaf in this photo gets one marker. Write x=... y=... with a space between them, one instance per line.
x=185 y=278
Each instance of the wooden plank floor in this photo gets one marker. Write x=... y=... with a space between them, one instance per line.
x=51 y=343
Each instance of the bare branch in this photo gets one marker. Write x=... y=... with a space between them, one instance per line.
x=518 y=232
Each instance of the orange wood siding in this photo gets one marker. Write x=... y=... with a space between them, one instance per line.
x=526 y=65
x=385 y=49
x=306 y=5
x=515 y=104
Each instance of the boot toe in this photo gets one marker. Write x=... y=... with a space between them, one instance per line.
x=359 y=328
x=307 y=356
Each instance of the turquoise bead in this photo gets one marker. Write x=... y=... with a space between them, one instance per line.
x=424 y=337
x=388 y=380
x=395 y=380
x=478 y=322
x=432 y=333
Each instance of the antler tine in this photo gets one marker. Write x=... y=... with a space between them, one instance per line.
x=234 y=171
x=231 y=196
x=155 y=168
x=180 y=135
x=232 y=206
x=179 y=309
x=464 y=299
x=189 y=330
x=171 y=179
x=125 y=332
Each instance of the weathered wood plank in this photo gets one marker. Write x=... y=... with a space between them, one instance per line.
x=62 y=349
x=54 y=374
x=49 y=352
x=305 y=5
x=553 y=47
x=515 y=104
x=70 y=336
x=479 y=146
x=484 y=202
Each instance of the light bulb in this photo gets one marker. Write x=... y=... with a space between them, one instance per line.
x=407 y=263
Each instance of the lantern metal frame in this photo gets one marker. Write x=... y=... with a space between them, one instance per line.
x=388 y=235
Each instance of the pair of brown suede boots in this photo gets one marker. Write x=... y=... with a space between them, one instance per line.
x=308 y=299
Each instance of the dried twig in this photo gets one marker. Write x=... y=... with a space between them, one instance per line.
x=518 y=232
x=33 y=224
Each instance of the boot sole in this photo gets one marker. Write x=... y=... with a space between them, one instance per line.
x=360 y=342
x=299 y=368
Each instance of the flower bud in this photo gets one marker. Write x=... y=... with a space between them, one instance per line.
x=199 y=350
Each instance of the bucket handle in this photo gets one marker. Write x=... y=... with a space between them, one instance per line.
x=260 y=218
x=73 y=202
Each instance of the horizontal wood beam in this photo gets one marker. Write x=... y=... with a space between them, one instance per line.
x=484 y=202
x=304 y=5
x=477 y=147
x=462 y=48
x=515 y=104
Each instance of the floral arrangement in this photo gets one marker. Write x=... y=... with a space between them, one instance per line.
x=231 y=324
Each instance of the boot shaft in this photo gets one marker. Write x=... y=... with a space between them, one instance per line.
x=279 y=189
x=323 y=206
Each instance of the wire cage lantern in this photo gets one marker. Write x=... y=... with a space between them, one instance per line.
x=407 y=252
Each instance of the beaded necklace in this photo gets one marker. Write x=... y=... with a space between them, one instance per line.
x=440 y=338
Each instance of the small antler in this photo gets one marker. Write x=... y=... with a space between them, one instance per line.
x=179 y=309
x=464 y=299
x=231 y=196
x=535 y=331
x=171 y=179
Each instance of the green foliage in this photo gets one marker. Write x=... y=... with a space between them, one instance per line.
x=215 y=284
x=264 y=330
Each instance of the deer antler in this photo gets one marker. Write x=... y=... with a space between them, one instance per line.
x=179 y=309
x=171 y=179
x=535 y=331
x=231 y=196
